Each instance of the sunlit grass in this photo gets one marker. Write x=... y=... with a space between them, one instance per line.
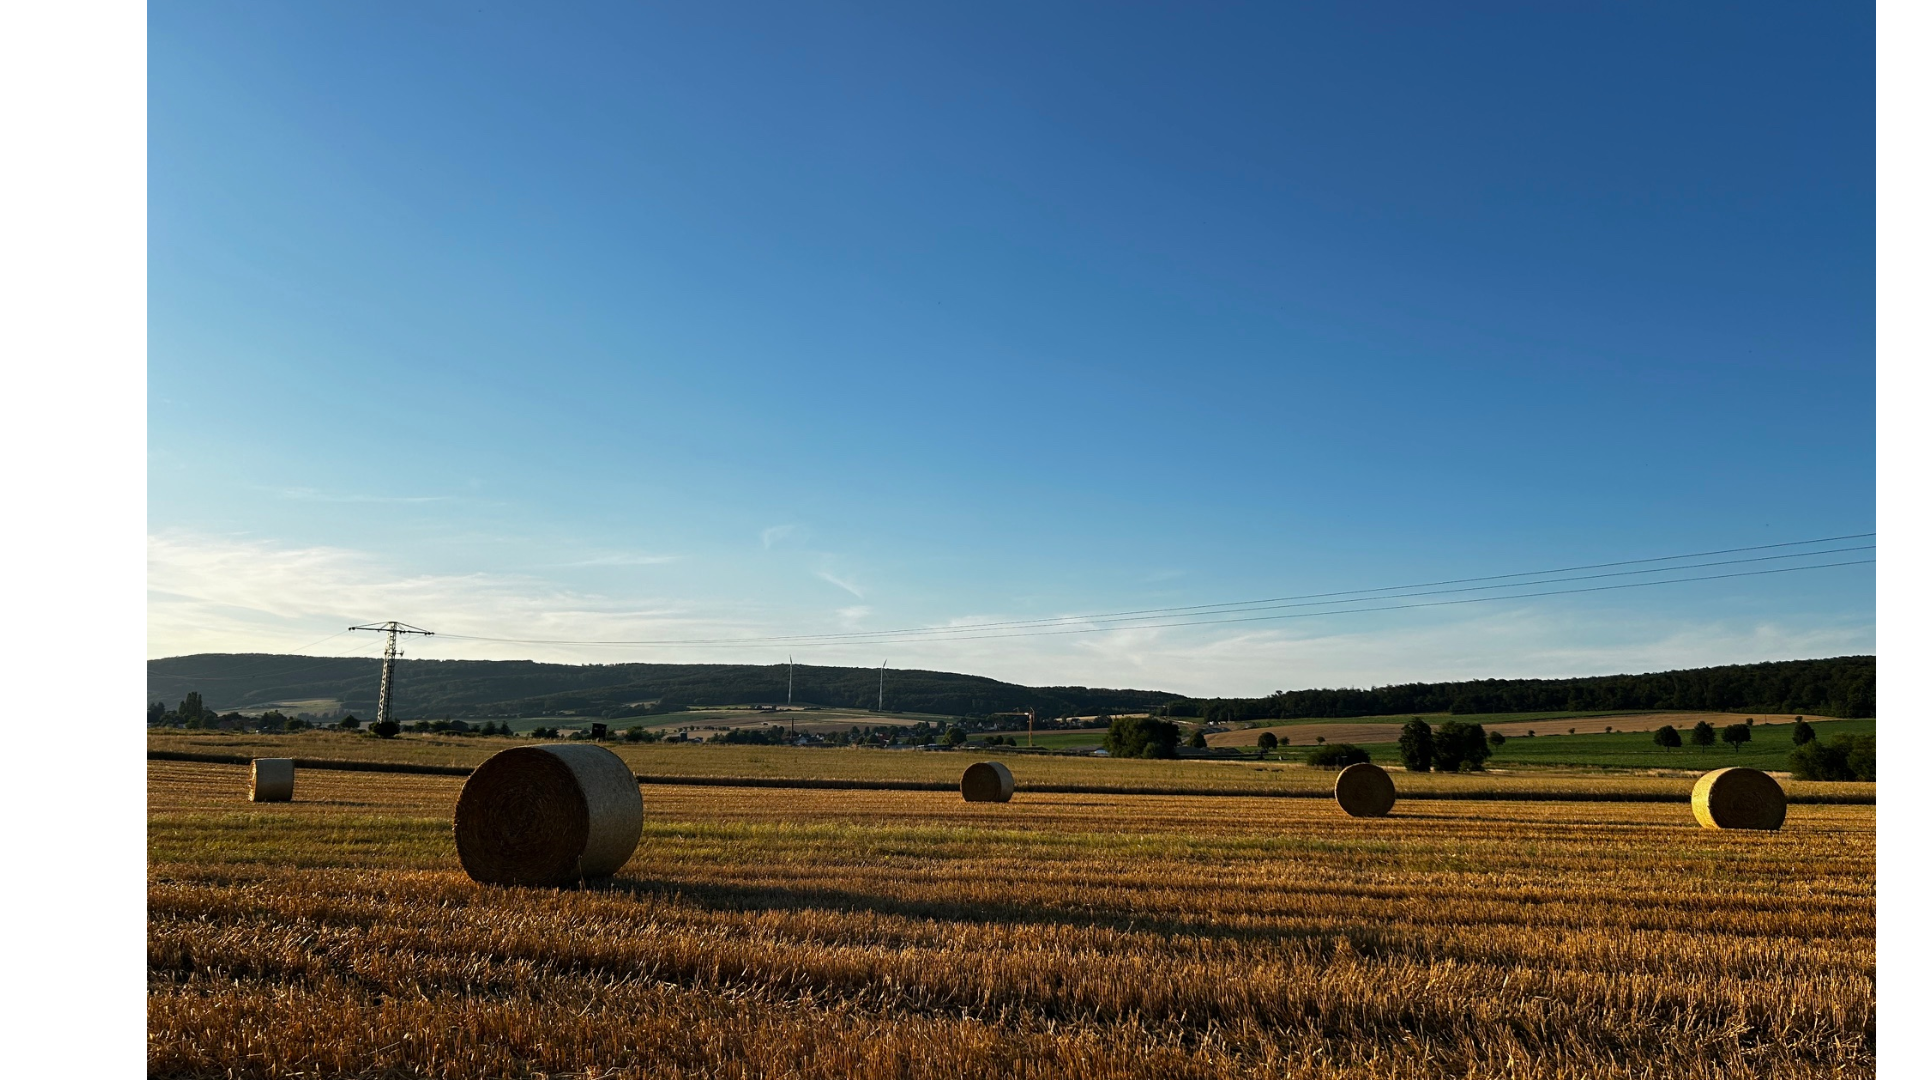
x=832 y=933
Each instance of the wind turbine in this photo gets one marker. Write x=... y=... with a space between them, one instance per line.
x=883 y=687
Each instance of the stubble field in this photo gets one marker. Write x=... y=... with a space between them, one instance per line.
x=809 y=933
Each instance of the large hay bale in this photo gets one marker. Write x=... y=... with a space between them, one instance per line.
x=986 y=781
x=1364 y=790
x=547 y=815
x=270 y=780
x=1739 y=798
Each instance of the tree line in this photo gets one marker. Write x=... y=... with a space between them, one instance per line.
x=1838 y=686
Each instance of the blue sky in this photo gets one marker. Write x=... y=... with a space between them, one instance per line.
x=624 y=322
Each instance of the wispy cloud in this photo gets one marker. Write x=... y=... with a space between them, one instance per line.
x=228 y=594
x=624 y=558
x=210 y=593
x=306 y=494
x=834 y=579
x=774 y=534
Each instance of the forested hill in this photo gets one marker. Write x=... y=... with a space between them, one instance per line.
x=492 y=688
x=1839 y=686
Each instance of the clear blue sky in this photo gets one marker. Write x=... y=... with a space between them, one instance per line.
x=623 y=321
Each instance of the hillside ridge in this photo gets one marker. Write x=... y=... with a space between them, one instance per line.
x=1835 y=686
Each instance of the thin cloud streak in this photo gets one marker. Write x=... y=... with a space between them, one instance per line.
x=833 y=579
x=315 y=495
x=225 y=594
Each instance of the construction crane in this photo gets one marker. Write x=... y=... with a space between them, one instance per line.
x=393 y=630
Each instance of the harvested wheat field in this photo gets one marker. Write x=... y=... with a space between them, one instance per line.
x=902 y=934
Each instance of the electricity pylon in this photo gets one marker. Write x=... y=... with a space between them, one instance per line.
x=393 y=630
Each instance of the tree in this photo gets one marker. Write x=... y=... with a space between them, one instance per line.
x=1337 y=756
x=1142 y=736
x=1496 y=740
x=1802 y=731
x=1268 y=740
x=956 y=737
x=156 y=713
x=1198 y=740
x=1702 y=734
x=1735 y=734
x=193 y=710
x=1667 y=737
x=385 y=729
x=1416 y=745
x=349 y=722
x=1286 y=740
x=1861 y=756
x=1845 y=757
x=1457 y=745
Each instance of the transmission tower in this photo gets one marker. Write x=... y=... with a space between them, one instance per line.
x=393 y=630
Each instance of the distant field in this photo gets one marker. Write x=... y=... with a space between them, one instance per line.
x=815 y=721
x=295 y=706
x=1060 y=740
x=1378 y=729
x=1769 y=749
x=833 y=934
x=824 y=763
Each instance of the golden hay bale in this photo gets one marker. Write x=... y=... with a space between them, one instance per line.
x=271 y=780
x=547 y=815
x=986 y=781
x=1364 y=790
x=1739 y=798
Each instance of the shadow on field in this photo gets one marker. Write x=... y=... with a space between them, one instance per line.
x=723 y=897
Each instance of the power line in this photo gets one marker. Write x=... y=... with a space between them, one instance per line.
x=1432 y=603
x=1117 y=622
x=1303 y=614
x=1355 y=596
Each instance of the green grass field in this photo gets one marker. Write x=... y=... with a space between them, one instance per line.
x=1440 y=717
x=1060 y=740
x=1635 y=749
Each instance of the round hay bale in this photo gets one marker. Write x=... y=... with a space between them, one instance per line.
x=270 y=779
x=1364 y=790
x=1739 y=798
x=986 y=781
x=547 y=815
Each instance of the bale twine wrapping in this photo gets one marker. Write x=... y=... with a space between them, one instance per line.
x=547 y=815
x=1364 y=790
x=270 y=779
x=1739 y=798
x=986 y=781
